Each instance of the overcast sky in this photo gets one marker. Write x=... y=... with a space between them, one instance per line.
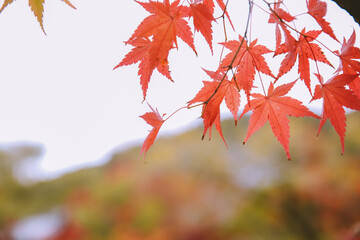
x=60 y=90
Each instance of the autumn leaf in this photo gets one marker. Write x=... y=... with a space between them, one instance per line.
x=247 y=60
x=37 y=7
x=347 y=56
x=211 y=109
x=165 y=23
x=317 y=9
x=275 y=107
x=163 y=26
x=335 y=97
x=348 y=63
x=212 y=95
x=279 y=16
x=155 y=120
x=232 y=94
x=140 y=53
x=302 y=49
x=203 y=18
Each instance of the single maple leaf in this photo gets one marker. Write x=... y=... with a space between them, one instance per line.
x=163 y=26
x=347 y=55
x=247 y=60
x=165 y=23
x=140 y=52
x=232 y=94
x=203 y=18
x=279 y=16
x=37 y=7
x=302 y=49
x=335 y=97
x=275 y=107
x=348 y=64
x=211 y=108
x=212 y=95
x=317 y=9
x=155 y=120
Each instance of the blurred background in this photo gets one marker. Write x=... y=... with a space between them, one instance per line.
x=191 y=189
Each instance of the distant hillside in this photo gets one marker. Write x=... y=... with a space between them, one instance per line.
x=193 y=189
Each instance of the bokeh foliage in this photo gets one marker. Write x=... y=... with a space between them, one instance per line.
x=188 y=191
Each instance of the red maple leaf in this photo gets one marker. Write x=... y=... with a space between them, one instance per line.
x=203 y=17
x=155 y=120
x=140 y=52
x=348 y=64
x=355 y=86
x=275 y=107
x=279 y=16
x=335 y=96
x=317 y=9
x=212 y=95
x=163 y=26
x=347 y=55
x=247 y=60
x=302 y=49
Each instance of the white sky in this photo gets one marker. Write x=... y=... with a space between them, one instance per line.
x=60 y=89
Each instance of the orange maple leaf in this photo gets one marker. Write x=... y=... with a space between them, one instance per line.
x=203 y=18
x=163 y=26
x=247 y=60
x=212 y=95
x=279 y=16
x=348 y=64
x=317 y=9
x=335 y=96
x=347 y=55
x=302 y=49
x=275 y=107
x=140 y=52
x=37 y=6
x=155 y=120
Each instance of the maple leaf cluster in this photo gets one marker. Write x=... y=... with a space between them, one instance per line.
x=157 y=35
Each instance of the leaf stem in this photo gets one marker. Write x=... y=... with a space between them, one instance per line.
x=175 y=112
